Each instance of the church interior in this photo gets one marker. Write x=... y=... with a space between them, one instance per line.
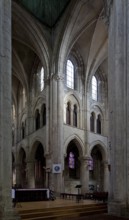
x=64 y=99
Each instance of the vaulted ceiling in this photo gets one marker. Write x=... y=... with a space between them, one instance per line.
x=47 y=11
x=84 y=32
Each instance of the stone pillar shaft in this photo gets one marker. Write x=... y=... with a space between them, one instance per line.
x=5 y=103
x=48 y=118
x=118 y=104
x=57 y=129
x=84 y=175
x=6 y=212
x=18 y=173
x=30 y=174
x=106 y=177
x=60 y=106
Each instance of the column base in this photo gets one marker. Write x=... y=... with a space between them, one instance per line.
x=118 y=209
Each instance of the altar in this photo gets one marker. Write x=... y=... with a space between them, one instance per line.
x=27 y=195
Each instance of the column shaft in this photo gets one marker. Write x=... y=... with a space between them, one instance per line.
x=117 y=85
x=6 y=211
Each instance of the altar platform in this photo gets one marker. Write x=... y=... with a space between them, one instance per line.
x=67 y=208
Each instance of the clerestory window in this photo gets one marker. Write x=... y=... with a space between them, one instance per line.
x=42 y=79
x=70 y=75
x=94 y=88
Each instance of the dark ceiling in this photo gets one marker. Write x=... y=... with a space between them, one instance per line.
x=47 y=11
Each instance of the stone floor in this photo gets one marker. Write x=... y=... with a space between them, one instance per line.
x=100 y=217
x=61 y=202
x=49 y=204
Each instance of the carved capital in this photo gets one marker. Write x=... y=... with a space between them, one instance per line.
x=107 y=11
x=58 y=77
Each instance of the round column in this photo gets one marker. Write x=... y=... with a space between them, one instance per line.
x=84 y=175
x=106 y=177
x=6 y=211
x=18 y=174
x=30 y=174
x=118 y=80
x=48 y=115
x=57 y=131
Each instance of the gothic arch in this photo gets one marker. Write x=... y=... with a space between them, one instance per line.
x=33 y=147
x=38 y=104
x=73 y=100
x=78 y=65
x=100 y=76
x=74 y=94
x=97 y=109
x=33 y=31
x=19 y=71
x=96 y=63
x=75 y=32
x=20 y=148
x=102 y=147
x=78 y=143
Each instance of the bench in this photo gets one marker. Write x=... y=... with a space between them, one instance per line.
x=71 y=196
x=100 y=196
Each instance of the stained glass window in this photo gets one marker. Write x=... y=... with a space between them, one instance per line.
x=71 y=161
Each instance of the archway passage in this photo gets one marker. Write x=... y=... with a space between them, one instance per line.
x=23 y=178
x=96 y=174
x=13 y=171
x=40 y=164
x=72 y=168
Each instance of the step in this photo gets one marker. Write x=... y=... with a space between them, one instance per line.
x=50 y=216
x=62 y=211
x=67 y=215
x=62 y=208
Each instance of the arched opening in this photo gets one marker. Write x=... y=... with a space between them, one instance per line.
x=13 y=171
x=43 y=114
x=75 y=116
x=96 y=173
x=72 y=168
x=92 y=122
x=13 y=136
x=40 y=164
x=99 y=124
x=68 y=113
x=23 y=178
x=23 y=130
x=37 y=119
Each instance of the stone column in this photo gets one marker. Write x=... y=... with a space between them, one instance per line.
x=60 y=106
x=118 y=81
x=71 y=115
x=48 y=170
x=48 y=118
x=106 y=176
x=30 y=174
x=57 y=130
x=6 y=211
x=29 y=119
x=18 y=173
x=84 y=175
